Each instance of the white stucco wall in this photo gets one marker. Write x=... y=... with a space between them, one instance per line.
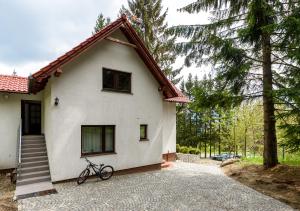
x=83 y=103
x=10 y=117
x=169 y=127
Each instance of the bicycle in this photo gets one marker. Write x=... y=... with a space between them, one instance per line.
x=104 y=172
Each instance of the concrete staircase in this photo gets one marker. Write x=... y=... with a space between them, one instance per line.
x=33 y=173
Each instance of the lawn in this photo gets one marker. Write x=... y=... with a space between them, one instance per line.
x=292 y=159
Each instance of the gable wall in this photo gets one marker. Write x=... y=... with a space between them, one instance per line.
x=82 y=102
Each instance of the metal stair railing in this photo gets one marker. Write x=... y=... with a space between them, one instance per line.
x=19 y=148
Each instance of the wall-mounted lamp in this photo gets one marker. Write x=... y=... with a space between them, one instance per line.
x=56 y=101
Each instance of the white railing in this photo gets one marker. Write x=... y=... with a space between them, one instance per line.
x=19 y=144
x=20 y=141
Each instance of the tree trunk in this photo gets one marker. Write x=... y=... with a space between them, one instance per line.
x=196 y=125
x=245 y=142
x=190 y=116
x=205 y=150
x=205 y=137
x=220 y=135
x=214 y=148
x=270 y=141
x=234 y=144
x=200 y=148
x=210 y=138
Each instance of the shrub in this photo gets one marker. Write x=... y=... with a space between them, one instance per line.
x=197 y=151
x=184 y=150
x=192 y=151
x=177 y=148
x=187 y=150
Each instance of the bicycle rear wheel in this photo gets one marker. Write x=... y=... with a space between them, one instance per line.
x=83 y=176
x=106 y=172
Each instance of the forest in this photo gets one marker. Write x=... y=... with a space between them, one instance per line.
x=209 y=130
x=249 y=103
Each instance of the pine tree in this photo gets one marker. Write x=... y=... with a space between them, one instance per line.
x=100 y=23
x=149 y=20
x=288 y=80
x=239 y=43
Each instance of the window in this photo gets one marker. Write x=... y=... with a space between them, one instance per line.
x=97 y=139
x=143 y=132
x=116 y=81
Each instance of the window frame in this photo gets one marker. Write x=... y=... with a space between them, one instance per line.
x=103 y=141
x=116 y=80
x=146 y=132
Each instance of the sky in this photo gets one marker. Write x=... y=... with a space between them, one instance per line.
x=35 y=32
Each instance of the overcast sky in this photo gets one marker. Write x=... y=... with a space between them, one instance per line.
x=35 y=32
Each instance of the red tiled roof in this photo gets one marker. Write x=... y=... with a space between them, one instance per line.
x=40 y=78
x=178 y=99
x=181 y=98
x=15 y=84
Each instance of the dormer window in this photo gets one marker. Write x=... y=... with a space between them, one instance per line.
x=117 y=81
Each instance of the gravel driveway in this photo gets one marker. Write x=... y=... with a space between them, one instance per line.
x=185 y=186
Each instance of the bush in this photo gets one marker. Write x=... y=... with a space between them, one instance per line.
x=177 y=148
x=184 y=150
x=193 y=151
x=197 y=151
x=187 y=150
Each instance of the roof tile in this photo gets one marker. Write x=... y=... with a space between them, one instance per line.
x=15 y=84
x=175 y=94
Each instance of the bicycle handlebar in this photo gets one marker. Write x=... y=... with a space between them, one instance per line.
x=92 y=164
x=89 y=161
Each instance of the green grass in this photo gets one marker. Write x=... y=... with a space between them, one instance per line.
x=257 y=160
x=290 y=159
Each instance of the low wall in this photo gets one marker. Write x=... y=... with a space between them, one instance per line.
x=190 y=158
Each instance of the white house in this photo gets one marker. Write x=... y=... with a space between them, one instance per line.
x=106 y=99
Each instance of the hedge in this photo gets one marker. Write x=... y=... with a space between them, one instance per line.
x=187 y=150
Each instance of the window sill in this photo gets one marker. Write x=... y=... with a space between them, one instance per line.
x=97 y=154
x=144 y=139
x=116 y=91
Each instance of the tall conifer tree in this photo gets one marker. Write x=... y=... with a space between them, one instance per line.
x=149 y=20
x=100 y=23
x=240 y=42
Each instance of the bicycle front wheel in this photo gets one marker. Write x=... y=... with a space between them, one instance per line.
x=106 y=172
x=83 y=176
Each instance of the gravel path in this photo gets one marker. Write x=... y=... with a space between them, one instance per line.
x=185 y=186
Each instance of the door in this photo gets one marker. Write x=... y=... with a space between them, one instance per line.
x=31 y=117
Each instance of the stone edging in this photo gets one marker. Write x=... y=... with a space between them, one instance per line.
x=190 y=158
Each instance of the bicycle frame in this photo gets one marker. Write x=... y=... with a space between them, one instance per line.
x=94 y=167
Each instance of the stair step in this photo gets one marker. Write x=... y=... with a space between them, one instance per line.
x=34 y=163
x=34 y=174
x=33 y=159
x=33 y=169
x=33 y=140
x=33 y=154
x=33 y=137
x=36 y=149
x=34 y=145
x=33 y=180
